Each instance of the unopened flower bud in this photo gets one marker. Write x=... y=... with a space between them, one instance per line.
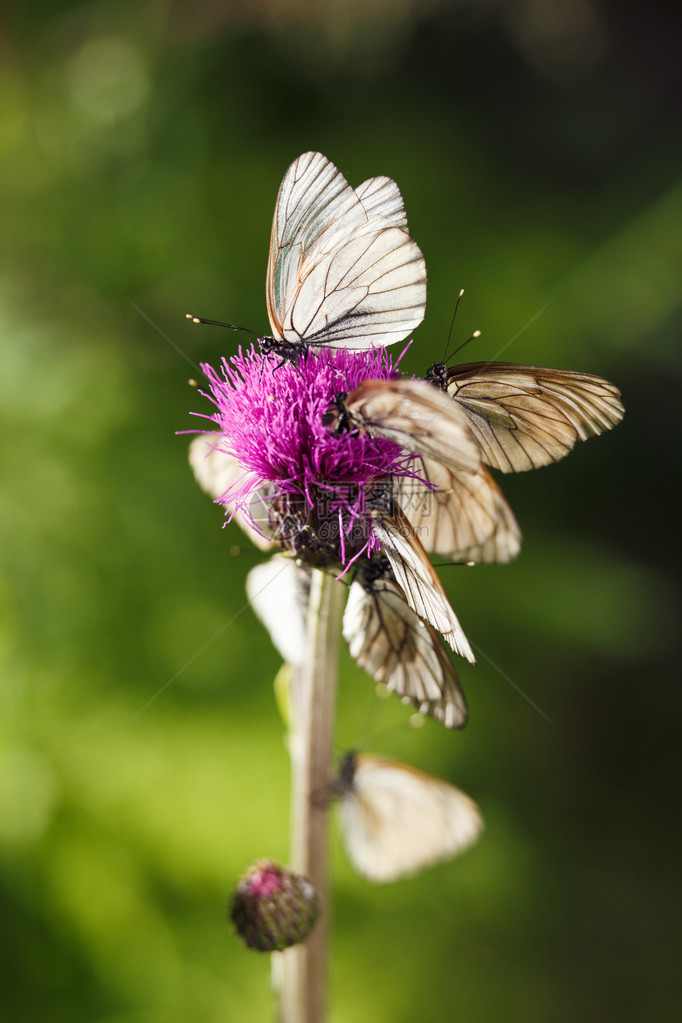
x=273 y=907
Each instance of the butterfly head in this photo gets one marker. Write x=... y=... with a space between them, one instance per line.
x=373 y=569
x=437 y=375
x=286 y=351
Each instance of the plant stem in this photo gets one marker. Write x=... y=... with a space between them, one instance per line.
x=304 y=967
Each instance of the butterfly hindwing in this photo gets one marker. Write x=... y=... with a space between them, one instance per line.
x=216 y=471
x=278 y=591
x=417 y=577
x=459 y=515
x=390 y=642
x=381 y=197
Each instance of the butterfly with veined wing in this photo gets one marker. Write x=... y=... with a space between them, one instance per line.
x=396 y=820
x=343 y=270
x=461 y=512
x=384 y=635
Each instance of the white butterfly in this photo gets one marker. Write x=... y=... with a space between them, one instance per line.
x=524 y=417
x=343 y=270
x=396 y=820
x=393 y=645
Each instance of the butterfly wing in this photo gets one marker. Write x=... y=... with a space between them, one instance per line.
x=417 y=577
x=278 y=590
x=216 y=472
x=396 y=820
x=396 y=648
x=381 y=197
x=418 y=417
x=524 y=417
x=341 y=273
x=464 y=517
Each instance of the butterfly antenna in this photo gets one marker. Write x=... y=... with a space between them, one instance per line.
x=219 y=323
x=454 y=564
x=452 y=324
x=399 y=726
x=476 y=334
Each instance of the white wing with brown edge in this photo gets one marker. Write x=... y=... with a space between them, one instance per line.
x=417 y=577
x=341 y=273
x=391 y=643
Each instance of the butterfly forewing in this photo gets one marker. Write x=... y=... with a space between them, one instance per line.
x=313 y=196
x=418 y=417
x=341 y=273
x=417 y=578
x=390 y=642
x=462 y=516
x=524 y=417
x=396 y=820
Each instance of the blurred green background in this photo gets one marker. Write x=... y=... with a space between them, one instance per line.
x=141 y=148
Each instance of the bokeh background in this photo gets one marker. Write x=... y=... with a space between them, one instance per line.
x=536 y=143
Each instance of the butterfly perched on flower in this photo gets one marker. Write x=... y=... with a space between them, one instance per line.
x=396 y=820
x=343 y=270
x=325 y=449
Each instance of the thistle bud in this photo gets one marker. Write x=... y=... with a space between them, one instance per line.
x=273 y=907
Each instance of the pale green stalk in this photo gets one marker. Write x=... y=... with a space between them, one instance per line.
x=303 y=969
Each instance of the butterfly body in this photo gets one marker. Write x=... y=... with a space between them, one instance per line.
x=337 y=416
x=437 y=375
x=286 y=351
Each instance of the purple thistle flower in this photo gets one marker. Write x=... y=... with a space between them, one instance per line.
x=273 y=420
